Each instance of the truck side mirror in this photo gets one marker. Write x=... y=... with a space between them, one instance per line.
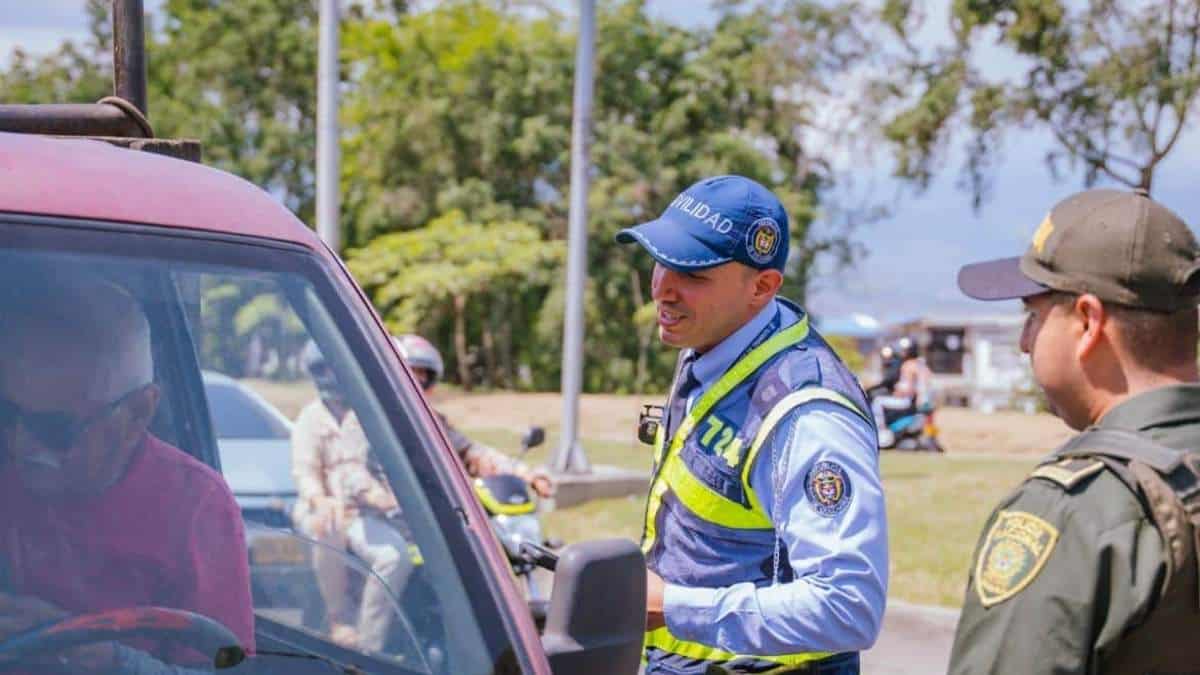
x=597 y=617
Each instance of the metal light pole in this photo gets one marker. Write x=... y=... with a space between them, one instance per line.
x=328 y=153
x=570 y=457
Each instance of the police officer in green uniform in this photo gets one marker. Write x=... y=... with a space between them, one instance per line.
x=1090 y=565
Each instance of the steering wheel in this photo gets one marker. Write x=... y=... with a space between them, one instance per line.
x=193 y=630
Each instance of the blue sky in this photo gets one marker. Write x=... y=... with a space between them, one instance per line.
x=912 y=257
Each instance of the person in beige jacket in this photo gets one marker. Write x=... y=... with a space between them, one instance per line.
x=345 y=503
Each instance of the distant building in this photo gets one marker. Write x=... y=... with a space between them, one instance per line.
x=865 y=331
x=976 y=360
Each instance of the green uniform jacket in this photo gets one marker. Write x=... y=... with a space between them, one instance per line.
x=1069 y=562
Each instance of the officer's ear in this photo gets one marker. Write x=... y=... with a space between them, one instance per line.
x=1091 y=322
x=766 y=284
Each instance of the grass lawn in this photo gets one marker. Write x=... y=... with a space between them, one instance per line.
x=936 y=504
x=936 y=507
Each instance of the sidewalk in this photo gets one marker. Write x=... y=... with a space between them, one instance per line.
x=915 y=640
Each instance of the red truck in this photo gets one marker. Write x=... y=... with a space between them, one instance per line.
x=149 y=572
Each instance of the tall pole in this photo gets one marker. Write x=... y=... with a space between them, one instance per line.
x=328 y=154
x=570 y=458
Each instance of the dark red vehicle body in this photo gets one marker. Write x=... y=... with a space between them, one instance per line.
x=95 y=182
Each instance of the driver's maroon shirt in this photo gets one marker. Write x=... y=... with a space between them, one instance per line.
x=168 y=534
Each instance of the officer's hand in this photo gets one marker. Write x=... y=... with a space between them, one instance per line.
x=654 y=601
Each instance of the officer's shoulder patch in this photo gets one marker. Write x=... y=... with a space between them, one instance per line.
x=1068 y=472
x=1013 y=553
x=828 y=487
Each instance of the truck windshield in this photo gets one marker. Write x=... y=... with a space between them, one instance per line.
x=201 y=449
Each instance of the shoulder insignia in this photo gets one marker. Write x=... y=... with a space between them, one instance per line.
x=828 y=488
x=1013 y=553
x=1068 y=472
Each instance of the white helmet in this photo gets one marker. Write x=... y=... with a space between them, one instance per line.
x=420 y=353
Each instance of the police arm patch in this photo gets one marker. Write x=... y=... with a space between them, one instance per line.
x=1013 y=553
x=828 y=487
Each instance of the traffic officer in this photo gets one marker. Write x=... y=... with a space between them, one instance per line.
x=1090 y=565
x=765 y=530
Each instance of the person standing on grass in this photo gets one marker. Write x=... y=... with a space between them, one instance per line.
x=1090 y=566
x=765 y=531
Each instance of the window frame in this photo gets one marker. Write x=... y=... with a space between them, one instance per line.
x=426 y=453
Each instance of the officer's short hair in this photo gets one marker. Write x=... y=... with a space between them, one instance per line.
x=1155 y=340
x=1158 y=340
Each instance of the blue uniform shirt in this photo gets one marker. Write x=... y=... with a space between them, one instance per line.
x=835 y=602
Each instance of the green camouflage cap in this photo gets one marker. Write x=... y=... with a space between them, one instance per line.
x=1122 y=247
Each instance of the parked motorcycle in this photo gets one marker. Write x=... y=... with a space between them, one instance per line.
x=511 y=506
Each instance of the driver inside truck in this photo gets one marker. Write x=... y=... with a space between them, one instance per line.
x=96 y=512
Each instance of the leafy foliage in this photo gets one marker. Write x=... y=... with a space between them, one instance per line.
x=241 y=77
x=1114 y=82
x=435 y=273
x=456 y=139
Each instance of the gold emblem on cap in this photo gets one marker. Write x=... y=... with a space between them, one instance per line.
x=1043 y=233
x=764 y=241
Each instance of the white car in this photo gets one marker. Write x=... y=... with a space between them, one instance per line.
x=254 y=444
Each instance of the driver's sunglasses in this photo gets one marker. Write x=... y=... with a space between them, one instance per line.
x=57 y=431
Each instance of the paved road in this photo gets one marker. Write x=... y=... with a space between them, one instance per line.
x=915 y=641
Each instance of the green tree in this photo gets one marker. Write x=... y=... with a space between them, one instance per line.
x=1113 y=81
x=459 y=117
x=73 y=73
x=240 y=76
x=436 y=273
x=467 y=107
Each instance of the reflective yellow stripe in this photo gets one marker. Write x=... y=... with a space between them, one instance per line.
x=781 y=409
x=741 y=370
x=715 y=508
x=662 y=639
x=496 y=506
x=712 y=507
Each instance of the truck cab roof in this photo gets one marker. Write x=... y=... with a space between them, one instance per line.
x=84 y=178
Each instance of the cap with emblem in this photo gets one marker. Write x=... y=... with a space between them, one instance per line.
x=717 y=220
x=1122 y=247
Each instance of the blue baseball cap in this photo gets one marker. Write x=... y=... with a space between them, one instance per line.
x=718 y=220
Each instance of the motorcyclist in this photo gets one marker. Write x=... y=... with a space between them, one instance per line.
x=480 y=460
x=909 y=390
x=890 y=362
x=345 y=503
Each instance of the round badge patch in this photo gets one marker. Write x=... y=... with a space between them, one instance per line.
x=828 y=488
x=762 y=240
